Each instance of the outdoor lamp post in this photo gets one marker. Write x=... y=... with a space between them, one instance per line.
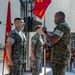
x=27 y=9
x=24 y=6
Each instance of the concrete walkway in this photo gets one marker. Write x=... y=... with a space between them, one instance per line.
x=48 y=71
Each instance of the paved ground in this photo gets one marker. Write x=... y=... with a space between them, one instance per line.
x=48 y=71
x=48 y=68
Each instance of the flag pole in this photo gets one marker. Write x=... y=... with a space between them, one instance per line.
x=3 y=66
x=8 y=29
x=44 y=49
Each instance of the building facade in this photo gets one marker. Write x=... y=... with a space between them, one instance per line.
x=26 y=10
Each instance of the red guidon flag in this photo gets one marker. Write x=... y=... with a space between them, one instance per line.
x=8 y=29
x=40 y=7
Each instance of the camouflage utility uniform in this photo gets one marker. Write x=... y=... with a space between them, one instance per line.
x=17 y=51
x=37 y=45
x=61 y=51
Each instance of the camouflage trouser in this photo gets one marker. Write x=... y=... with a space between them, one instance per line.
x=15 y=70
x=36 y=67
x=59 y=69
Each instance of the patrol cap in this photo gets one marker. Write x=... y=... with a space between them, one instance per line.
x=37 y=27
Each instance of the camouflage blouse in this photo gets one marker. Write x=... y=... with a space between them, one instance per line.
x=19 y=44
x=61 y=51
x=37 y=45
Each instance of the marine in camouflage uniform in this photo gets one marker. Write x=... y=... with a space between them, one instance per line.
x=17 y=51
x=37 y=45
x=61 y=44
x=61 y=51
x=16 y=48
